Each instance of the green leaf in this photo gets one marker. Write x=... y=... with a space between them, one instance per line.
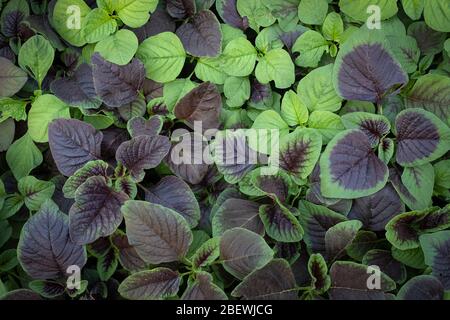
x=437 y=15
x=23 y=156
x=118 y=48
x=36 y=56
x=435 y=247
x=413 y=8
x=276 y=65
x=134 y=13
x=163 y=56
x=318 y=270
x=237 y=91
x=406 y=51
x=293 y=110
x=8 y=260
x=327 y=123
x=68 y=18
x=333 y=27
x=11 y=108
x=280 y=224
x=311 y=45
x=35 y=192
x=412 y=258
x=257 y=13
x=174 y=91
x=270 y=119
x=317 y=92
x=419 y=181
x=12 y=78
x=358 y=9
x=386 y=150
x=12 y=205
x=98 y=24
x=206 y=254
x=44 y=110
x=239 y=58
x=312 y=11
x=210 y=69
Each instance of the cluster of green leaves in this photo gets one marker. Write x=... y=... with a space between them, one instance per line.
x=93 y=95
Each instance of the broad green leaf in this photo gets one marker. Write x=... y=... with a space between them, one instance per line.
x=312 y=11
x=210 y=69
x=276 y=65
x=419 y=181
x=333 y=27
x=36 y=56
x=11 y=108
x=11 y=206
x=257 y=13
x=12 y=78
x=311 y=45
x=237 y=91
x=435 y=247
x=406 y=51
x=98 y=24
x=118 y=48
x=327 y=123
x=35 y=192
x=23 y=156
x=413 y=8
x=437 y=15
x=358 y=10
x=163 y=56
x=239 y=57
x=68 y=18
x=174 y=91
x=317 y=92
x=44 y=110
x=293 y=110
x=134 y=13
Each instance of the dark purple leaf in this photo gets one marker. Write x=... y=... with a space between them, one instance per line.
x=112 y=139
x=11 y=23
x=96 y=212
x=376 y=210
x=21 y=294
x=228 y=12
x=128 y=257
x=47 y=289
x=73 y=143
x=142 y=153
x=45 y=250
x=181 y=8
x=423 y=287
x=139 y=126
x=117 y=85
x=430 y=42
x=159 y=22
x=203 y=288
x=339 y=237
x=174 y=193
x=387 y=264
x=201 y=35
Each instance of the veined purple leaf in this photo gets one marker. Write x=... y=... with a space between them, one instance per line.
x=90 y=169
x=373 y=125
x=159 y=22
x=316 y=220
x=274 y=281
x=47 y=289
x=388 y=265
x=201 y=35
x=339 y=237
x=181 y=8
x=243 y=251
x=77 y=89
x=142 y=153
x=280 y=223
x=45 y=250
x=403 y=231
x=421 y=137
x=96 y=212
x=12 y=78
x=174 y=193
x=376 y=210
x=436 y=248
x=206 y=254
x=275 y=186
x=99 y=247
x=228 y=12
x=261 y=97
x=234 y=213
x=430 y=42
x=365 y=68
x=139 y=126
x=21 y=294
x=354 y=287
x=423 y=287
x=158 y=234
x=107 y=264
x=152 y=284
x=117 y=85
x=203 y=288
x=73 y=143
x=112 y=139
x=202 y=103
x=128 y=257
x=349 y=167
x=318 y=270
x=11 y=23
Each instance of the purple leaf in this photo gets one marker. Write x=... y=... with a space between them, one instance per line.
x=181 y=8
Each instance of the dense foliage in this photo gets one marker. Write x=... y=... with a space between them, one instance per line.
x=97 y=96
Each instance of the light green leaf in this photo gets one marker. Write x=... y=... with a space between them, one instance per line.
x=237 y=91
x=257 y=13
x=311 y=45
x=11 y=108
x=420 y=182
x=317 y=92
x=98 y=24
x=35 y=192
x=36 y=56
x=175 y=90
x=68 y=18
x=239 y=58
x=333 y=27
x=437 y=15
x=8 y=129
x=413 y=8
x=163 y=56
x=44 y=110
x=358 y=10
x=276 y=65
x=23 y=156
x=293 y=110
x=118 y=48
x=210 y=69
x=134 y=13
x=313 y=11
x=327 y=123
